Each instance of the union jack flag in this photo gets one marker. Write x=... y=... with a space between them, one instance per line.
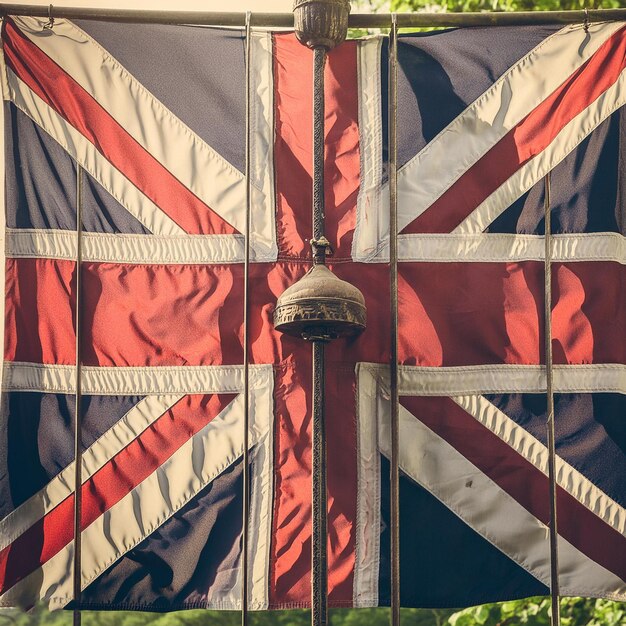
x=154 y=116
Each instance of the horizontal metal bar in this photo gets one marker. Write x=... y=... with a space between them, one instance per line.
x=285 y=20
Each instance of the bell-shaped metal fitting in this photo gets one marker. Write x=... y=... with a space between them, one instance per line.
x=321 y=23
x=320 y=307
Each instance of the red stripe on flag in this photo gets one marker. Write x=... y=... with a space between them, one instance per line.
x=57 y=89
x=470 y=313
x=528 y=139
x=521 y=480
x=290 y=565
x=109 y=485
x=293 y=88
x=450 y=313
x=163 y=314
x=39 y=311
x=490 y=313
x=589 y=312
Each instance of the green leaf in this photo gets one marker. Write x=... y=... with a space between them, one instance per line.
x=481 y=614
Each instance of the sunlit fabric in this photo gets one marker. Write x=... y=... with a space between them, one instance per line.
x=155 y=118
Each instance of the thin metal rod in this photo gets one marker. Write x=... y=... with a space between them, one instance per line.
x=393 y=284
x=285 y=20
x=554 y=552
x=319 y=507
x=319 y=572
x=319 y=62
x=246 y=358
x=78 y=452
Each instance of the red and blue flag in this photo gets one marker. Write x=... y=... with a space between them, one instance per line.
x=155 y=118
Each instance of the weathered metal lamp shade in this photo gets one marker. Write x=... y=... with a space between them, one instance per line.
x=320 y=307
x=321 y=23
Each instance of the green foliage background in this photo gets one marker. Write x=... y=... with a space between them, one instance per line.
x=458 y=6
x=529 y=612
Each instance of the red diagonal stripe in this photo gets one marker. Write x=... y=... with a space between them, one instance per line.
x=521 y=480
x=528 y=139
x=57 y=89
x=109 y=485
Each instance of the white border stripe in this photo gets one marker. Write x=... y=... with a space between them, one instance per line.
x=210 y=249
x=367 y=535
x=263 y=244
x=85 y=153
x=129 y=427
x=491 y=116
x=413 y=380
x=171 y=142
x=481 y=379
x=129 y=381
x=372 y=221
x=201 y=459
x=504 y=248
x=436 y=465
x=261 y=511
x=568 y=138
x=527 y=446
x=125 y=248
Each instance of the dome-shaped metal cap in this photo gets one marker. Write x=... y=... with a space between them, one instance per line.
x=321 y=23
x=320 y=307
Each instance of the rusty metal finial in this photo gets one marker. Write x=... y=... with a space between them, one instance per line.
x=320 y=307
x=321 y=23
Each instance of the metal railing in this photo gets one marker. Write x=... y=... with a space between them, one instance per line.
x=285 y=20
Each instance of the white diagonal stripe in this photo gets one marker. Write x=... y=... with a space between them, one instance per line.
x=423 y=179
x=492 y=115
x=532 y=172
x=527 y=446
x=192 y=467
x=96 y=456
x=191 y=160
x=433 y=463
x=85 y=153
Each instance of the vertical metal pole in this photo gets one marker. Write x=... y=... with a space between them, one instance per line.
x=393 y=270
x=319 y=62
x=319 y=591
x=78 y=474
x=246 y=367
x=319 y=571
x=554 y=552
